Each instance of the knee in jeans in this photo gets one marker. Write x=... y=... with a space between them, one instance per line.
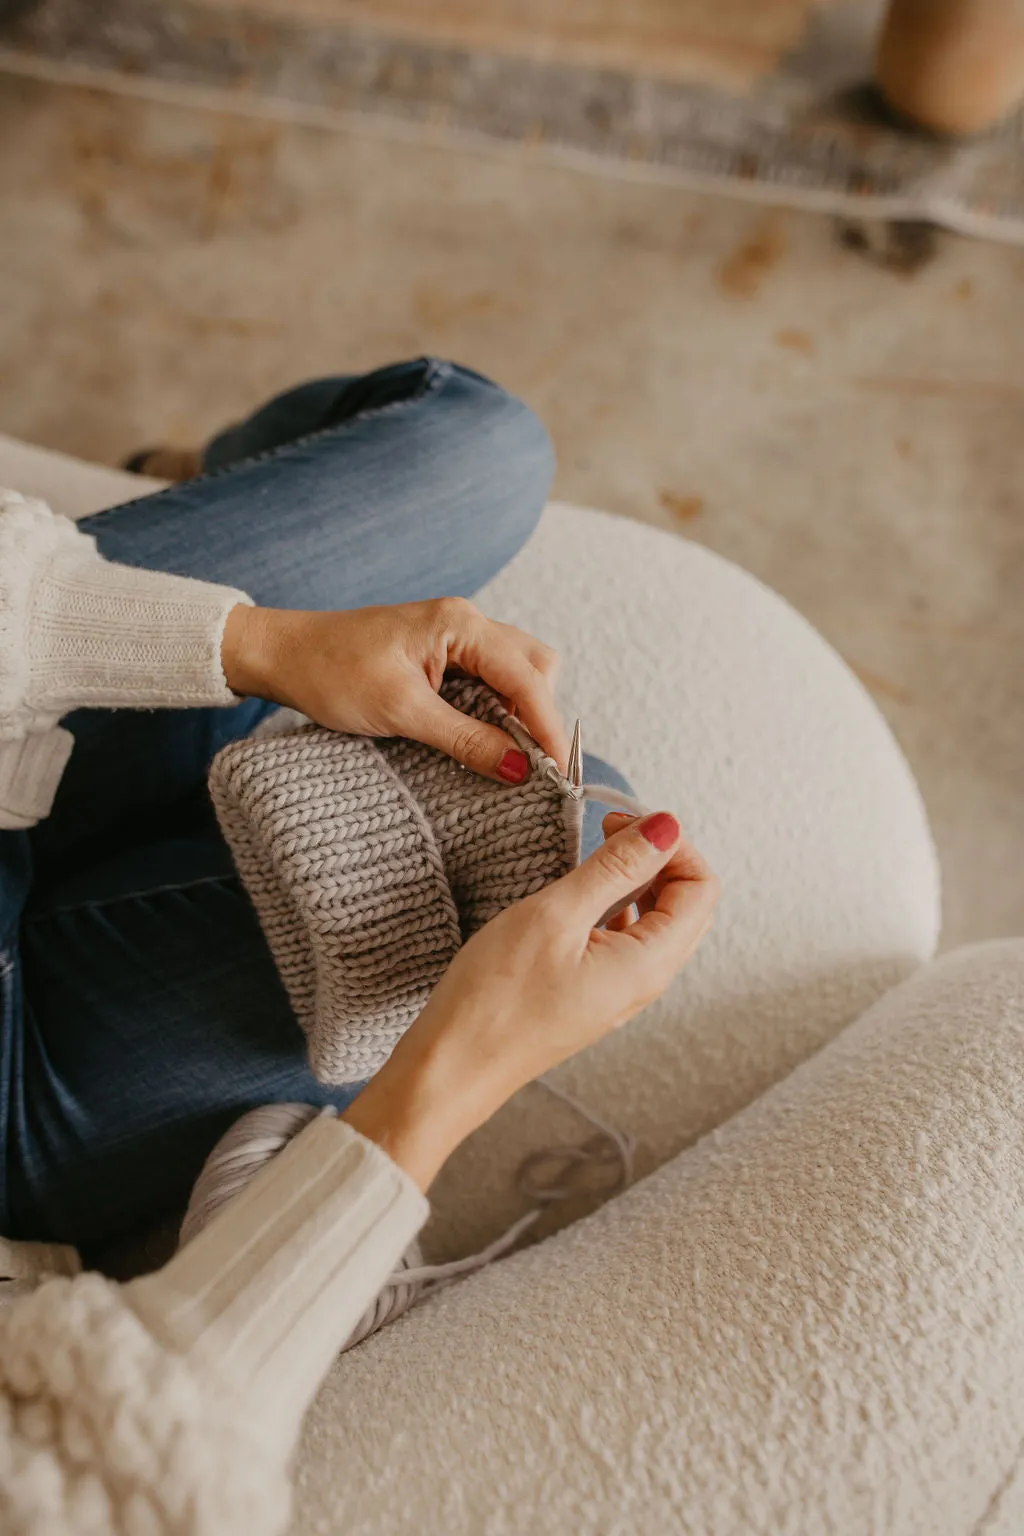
x=504 y=445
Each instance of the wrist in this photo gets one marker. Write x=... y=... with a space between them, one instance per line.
x=246 y=651
x=416 y=1112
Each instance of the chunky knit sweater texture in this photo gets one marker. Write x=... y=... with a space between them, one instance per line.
x=169 y=1405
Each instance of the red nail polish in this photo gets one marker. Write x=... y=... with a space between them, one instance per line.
x=514 y=767
x=661 y=829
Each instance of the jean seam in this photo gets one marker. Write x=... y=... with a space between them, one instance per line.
x=113 y=901
x=436 y=375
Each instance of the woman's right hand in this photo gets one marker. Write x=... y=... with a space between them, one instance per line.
x=540 y=982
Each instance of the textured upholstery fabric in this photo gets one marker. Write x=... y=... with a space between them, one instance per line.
x=71 y=487
x=807 y=1325
x=615 y=1379
x=809 y=1320
x=720 y=703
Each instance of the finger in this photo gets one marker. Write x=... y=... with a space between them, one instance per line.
x=474 y=744
x=613 y=875
x=614 y=822
x=546 y=660
x=667 y=935
x=620 y=921
x=499 y=655
x=705 y=930
x=624 y=913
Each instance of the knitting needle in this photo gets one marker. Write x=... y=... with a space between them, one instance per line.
x=575 y=777
x=575 y=772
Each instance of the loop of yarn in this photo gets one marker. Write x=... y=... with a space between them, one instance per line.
x=257 y=1138
x=609 y=1148
x=617 y=799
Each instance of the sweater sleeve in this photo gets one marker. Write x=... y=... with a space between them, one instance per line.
x=77 y=630
x=179 y=1397
x=275 y=1284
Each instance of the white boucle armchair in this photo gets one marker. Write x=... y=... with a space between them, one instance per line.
x=807 y=1315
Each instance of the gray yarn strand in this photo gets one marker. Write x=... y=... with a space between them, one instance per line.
x=253 y=1140
x=258 y=1137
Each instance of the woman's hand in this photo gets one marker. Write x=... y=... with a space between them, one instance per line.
x=376 y=672
x=537 y=984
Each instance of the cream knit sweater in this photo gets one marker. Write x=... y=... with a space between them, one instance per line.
x=169 y=1405
x=76 y=630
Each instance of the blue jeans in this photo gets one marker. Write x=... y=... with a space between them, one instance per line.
x=142 y=1012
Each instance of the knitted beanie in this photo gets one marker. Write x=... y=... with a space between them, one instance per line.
x=369 y=862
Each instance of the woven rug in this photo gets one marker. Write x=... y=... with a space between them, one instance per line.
x=812 y=133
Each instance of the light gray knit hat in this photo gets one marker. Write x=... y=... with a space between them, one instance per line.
x=369 y=862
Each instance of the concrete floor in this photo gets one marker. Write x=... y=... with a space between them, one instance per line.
x=850 y=435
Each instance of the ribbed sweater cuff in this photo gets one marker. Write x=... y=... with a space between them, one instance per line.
x=269 y=1291
x=111 y=636
x=76 y=630
x=30 y=771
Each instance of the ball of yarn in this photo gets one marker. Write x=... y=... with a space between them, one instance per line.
x=239 y=1155
x=261 y=1134
x=251 y=1143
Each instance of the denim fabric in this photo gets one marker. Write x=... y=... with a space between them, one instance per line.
x=142 y=1012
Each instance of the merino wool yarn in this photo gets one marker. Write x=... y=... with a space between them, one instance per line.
x=369 y=862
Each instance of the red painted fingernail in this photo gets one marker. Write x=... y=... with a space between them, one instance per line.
x=514 y=767
x=661 y=829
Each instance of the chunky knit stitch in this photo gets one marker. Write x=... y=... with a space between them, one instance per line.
x=369 y=862
x=170 y=1406
x=103 y=1432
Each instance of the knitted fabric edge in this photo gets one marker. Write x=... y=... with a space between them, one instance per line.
x=370 y=862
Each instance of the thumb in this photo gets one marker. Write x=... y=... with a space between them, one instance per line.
x=478 y=746
x=621 y=869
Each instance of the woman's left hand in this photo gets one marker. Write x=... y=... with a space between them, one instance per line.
x=377 y=671
x=538 y=983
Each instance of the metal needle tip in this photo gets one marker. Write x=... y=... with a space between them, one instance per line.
x=575 y=773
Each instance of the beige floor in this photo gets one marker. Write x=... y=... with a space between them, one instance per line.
x=852 y=436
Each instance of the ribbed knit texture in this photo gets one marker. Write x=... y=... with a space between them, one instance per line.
x=369 y=862
x=169 y=1407
x=30 y=771
x=273 y=1287
x=113 y=636
x=78 y=631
